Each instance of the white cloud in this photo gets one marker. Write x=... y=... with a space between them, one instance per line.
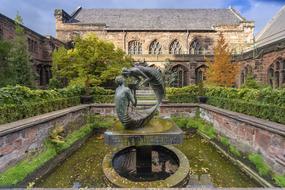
x=261 y=13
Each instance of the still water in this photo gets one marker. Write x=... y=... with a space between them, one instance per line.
x=84 y=169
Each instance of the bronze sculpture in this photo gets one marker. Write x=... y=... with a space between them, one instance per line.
x=125 y=100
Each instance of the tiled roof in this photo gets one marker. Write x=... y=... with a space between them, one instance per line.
x=158 y=19
x=273 y=31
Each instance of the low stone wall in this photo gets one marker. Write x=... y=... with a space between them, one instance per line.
x=247 y=133
x=250 y=134
x=24 y=137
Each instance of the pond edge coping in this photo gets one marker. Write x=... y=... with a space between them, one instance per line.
x=242 y=166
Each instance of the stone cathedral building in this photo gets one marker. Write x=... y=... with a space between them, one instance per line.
x=39 y=47
x=265 y=60
x=182 y=37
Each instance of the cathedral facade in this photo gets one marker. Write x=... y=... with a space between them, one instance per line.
x=182 y=37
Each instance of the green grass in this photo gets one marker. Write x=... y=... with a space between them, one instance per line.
x=17 y=173
x=279 y=180
x=262 y=168
x=234 y=151
x=97 y=121
x=196 y=122
x=208 y=130
x=225 y=141
x=180 y=121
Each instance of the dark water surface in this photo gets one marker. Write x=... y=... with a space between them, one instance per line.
x=84 y=167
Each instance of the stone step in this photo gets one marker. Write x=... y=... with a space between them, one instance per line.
x=146 y=102
x=146 y=98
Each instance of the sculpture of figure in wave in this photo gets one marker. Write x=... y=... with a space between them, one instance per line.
x=125 y=99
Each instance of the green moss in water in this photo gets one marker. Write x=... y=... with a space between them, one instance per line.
x=84 y=167
x=205 y=159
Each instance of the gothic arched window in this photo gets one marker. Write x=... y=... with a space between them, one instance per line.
x=276 y=74
x=155 y=48
x=134 y=47
x=180 y=76
x=196 y=48
x=245 y=73
x=175 y=48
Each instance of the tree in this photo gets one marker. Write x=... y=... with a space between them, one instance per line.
x=15 y=67
x=6 y=72
x=221 y=71
x=91 y=62
x=19 y=56
x=169 y=75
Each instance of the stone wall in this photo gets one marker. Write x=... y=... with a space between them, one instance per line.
x=40 y=47
x=25 y=137
x=259 y=61
x=250 y=134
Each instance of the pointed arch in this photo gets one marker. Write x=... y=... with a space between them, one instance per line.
x=134 y=47
x=175 y=47
x=155 y=48
x=276 y=73
x=196 y=47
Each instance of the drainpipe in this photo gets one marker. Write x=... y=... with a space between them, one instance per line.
x=125 y=40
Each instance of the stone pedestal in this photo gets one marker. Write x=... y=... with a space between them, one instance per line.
x=145 y=141
x=143 y=160
x=158 y=132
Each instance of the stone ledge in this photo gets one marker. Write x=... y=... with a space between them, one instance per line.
x=179 y=105
x=258 y=122
x=31 y=121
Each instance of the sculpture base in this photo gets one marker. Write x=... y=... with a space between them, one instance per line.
x=164 y=166
x=157 y=132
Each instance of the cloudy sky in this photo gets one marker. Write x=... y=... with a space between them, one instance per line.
x=38 y=14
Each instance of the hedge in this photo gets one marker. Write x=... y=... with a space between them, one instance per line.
x=264 y=96
x=263 y=103
x=253 y=108
x=19 y=102
x=13 y=112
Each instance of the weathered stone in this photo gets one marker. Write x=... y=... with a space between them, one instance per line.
x=157 y=132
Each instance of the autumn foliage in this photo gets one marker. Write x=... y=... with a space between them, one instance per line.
x=221 y=71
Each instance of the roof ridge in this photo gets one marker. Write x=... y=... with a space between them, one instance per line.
x=155 y=8
x=237 y=14
x=270 y=23
x=74 y=13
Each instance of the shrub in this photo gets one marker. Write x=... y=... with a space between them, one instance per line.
x=13 y=112
x=19 y=102
x=186 y=94
x=208 y=130
x=262 y=168
x=234 y=150
x=98 y=121
x=225 y=141
x=266 y=103
x=194 y=123
x=265 y=111
x=180 y=121
x=279 y=180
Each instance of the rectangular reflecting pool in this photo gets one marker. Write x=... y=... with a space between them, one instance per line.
x=208 y=167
